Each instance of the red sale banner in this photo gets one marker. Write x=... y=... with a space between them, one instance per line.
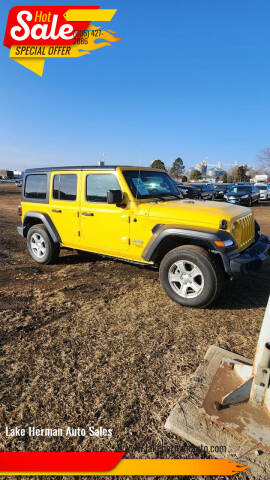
x=59 y=461
x=43 y=25
x=34 y=33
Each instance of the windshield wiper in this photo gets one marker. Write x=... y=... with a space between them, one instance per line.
x=176 y=196
x=160 y=197
x=169 y=195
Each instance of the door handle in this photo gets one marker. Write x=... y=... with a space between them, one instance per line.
x=87 y=214
x=56 y=211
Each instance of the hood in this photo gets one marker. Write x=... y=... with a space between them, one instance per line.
x=193 y=212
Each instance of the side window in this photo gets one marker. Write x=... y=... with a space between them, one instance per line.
x=97 y=186
x=65 y=187
x=36 y=186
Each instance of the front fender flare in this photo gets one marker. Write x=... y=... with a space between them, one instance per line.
x=204 y=237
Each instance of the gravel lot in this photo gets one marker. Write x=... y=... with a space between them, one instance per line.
x=91 y=341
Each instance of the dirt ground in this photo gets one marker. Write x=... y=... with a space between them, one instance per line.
x=96 y=342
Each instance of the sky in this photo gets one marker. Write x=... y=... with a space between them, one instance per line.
x=189 y=78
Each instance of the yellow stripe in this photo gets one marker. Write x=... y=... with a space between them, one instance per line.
x=36 y=65
x=91 y=15
x=166 y=467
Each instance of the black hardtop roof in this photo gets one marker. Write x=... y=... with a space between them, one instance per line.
x=82 y=167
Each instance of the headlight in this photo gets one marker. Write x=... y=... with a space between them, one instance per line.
x=245 y=196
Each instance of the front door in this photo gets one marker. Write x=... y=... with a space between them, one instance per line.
x=65 y=206
x=104 y=227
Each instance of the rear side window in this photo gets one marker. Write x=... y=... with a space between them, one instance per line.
x=97 y=186
x=36 y=187
x=65 y=187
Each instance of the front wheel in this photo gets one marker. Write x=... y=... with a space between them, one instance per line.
x=40 y=245
x=191 y=277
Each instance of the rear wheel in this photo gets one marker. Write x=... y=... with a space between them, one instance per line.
x=40 y=245
x=191 y=277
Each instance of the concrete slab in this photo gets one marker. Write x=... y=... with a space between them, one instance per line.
x=186 y=420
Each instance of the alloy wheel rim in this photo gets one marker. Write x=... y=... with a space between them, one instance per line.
x=38 y=245
x=186 y=279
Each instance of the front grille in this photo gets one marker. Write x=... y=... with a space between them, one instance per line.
x=244 y=231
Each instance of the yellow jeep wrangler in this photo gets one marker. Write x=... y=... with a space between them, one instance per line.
x=137 y=214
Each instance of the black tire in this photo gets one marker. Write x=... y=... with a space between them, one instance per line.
x=38 y=235
x=209 y=282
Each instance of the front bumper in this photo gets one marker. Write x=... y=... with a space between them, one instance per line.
x=248 y=261
x=238 y=201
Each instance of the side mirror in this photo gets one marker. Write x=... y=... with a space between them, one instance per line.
x=114 y=197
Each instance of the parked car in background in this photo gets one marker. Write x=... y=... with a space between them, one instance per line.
x=201 y=191
x=220 y=190
x=183 y=189
x=241 y=184
x=243 y=195
x=264 y=190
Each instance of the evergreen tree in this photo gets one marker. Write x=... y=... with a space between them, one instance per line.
x=158 y=164
x=225 y=177
x=178 y=168
x=195 y=175
x=242 y=174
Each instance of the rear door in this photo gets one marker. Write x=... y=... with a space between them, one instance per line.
x=64 y=206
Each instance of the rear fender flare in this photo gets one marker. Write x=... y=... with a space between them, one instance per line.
x=47 y=222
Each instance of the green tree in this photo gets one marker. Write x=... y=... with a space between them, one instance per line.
x=242 y=174
x=195 y=175
x=158 y=164
x=178 y=168
x=232 y=174
x=225 y=177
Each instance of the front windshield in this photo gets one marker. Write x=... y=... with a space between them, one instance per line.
x=149 y=184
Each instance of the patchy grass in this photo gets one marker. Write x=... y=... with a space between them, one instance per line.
x=91 y=341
